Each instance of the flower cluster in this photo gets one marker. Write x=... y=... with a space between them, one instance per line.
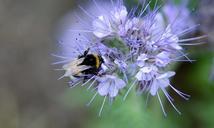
x=136 y=47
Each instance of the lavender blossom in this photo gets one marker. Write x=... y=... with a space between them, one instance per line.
x=161 y=82
x=110 y=85
x=109 y=24
x=147 y=73
x=136 y=47
x=178 y=15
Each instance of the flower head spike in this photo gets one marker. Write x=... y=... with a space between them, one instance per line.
x=112 y=47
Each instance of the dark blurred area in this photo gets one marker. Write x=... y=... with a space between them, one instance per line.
x=29 y=86
x=30 y=95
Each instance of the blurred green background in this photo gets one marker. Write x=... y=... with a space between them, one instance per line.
x=31 y=96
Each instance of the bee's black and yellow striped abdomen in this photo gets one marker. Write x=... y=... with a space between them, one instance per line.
x=92 y=60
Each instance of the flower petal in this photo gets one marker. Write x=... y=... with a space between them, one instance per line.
x=113 y=91
x=103 y=89
x=154 y=88
x=119 y=83
x=166 y=75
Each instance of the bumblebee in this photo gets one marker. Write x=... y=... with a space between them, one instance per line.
x=85 y=66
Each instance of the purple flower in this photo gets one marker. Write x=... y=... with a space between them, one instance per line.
x=161 y=82
x=141 y=60
x=162 y=59
x=169 y=41
x=178 y=15
x=110 y=85
x=108 y=24
x=129 y=45
x=147 y=73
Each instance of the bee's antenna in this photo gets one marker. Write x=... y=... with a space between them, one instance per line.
x=86 y=52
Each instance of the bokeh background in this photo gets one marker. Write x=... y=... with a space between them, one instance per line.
x=32 y=97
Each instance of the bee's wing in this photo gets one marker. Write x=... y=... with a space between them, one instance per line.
x=73 y=63
x=73 y=68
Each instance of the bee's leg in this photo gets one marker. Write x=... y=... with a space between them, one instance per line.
x=84 y=79
x=74 y=84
